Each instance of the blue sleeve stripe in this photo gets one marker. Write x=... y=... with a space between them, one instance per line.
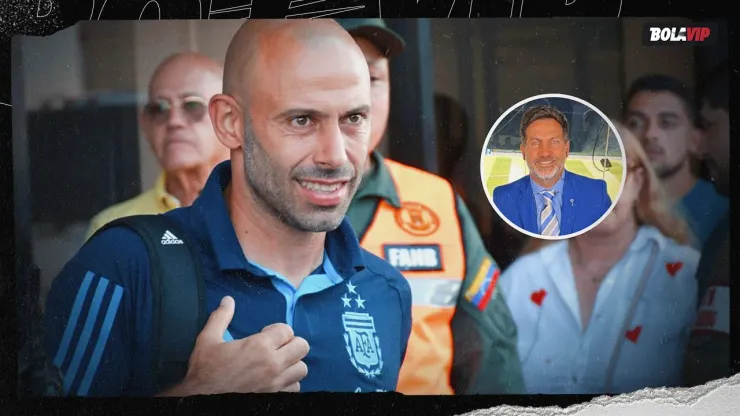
x=92 y=315
x=110 y=316
x=72 y=321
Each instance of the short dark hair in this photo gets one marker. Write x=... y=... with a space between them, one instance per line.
x=665 y=83
x=714 y=88
x=541 y=112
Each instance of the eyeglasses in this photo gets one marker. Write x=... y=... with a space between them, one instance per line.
x=194 y=109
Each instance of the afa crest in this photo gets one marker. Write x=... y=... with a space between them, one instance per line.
x=360 y=338
x=363 y=345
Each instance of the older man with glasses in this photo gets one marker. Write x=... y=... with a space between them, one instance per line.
x=176 y=124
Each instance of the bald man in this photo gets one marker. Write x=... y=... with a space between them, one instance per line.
x=295 y=304
x=176 y=124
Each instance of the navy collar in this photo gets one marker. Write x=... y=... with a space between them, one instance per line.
x=210 y=216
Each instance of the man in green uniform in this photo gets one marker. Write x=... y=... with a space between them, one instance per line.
x=463 y=339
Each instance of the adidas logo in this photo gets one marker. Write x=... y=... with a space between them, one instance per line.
x=169 y=238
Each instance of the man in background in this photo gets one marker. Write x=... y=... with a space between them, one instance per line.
x=463 y=339
x=660 y=110
x=708 y=351
x=176 y=124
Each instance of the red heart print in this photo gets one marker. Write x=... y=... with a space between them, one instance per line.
x=673 y=268
x=633 y=334
x=538 y=296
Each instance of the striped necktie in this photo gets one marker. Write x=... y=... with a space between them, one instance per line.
x=548 y=221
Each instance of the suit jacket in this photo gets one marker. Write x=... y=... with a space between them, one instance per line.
x=585 y=200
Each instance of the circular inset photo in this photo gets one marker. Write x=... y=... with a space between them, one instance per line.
x=553 y=166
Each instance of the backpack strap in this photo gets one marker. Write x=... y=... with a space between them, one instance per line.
x=178 y=294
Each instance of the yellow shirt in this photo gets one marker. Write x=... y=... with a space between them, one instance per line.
x=153 y=201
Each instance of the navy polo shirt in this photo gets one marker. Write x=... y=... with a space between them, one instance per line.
x=354 y=310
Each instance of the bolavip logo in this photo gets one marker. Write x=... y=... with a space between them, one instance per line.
x=698 y=35
x=681 y=34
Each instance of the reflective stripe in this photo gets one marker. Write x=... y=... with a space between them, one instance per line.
x=437 y=292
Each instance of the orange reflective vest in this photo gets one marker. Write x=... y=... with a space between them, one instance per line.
x=423 y=240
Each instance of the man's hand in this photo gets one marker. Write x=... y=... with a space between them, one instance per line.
x=266 y=362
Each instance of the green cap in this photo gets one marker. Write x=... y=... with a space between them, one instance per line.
x=375 y=30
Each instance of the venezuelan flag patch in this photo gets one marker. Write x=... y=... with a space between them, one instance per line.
x=480 y=292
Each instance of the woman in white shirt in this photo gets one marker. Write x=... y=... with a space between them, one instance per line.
x=608 y=311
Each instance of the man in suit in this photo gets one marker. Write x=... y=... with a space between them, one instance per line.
x=551 y=201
